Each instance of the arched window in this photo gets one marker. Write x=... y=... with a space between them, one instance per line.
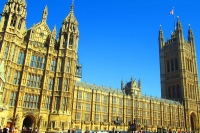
x=169 y=92
x=20 y=24
x=168 y=66
x=71 y=39
x=174 y=91
x=178 y=91
x=6 y=21
x=176 y=63
x=65 y=40
x=172 y=64
x=13 y=21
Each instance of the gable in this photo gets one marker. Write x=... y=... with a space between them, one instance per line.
x=40 y=32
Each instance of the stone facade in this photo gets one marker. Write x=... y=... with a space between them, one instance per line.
x=42 y=87
x=179 y=73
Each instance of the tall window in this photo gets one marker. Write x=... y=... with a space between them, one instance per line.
x=64 y=104
x=97 y=108
x=66 y=84
x=20 y=60
x=87 y=107
x=168 y=66
x=62 y=62
x=97 y=117
x=8 y=74
x=13 y=97
x=65 y=40
x=17 y=77
x=37 y=62
x=128 y=102
x=13 y=21
x=31 y=101
x=172 y=64
x=20 y=24
x=169 y=92
x=79 y=94
x=105 y=99
x=114 y=100
x=71 y=39
x=59 y=83
x=48 y=102
x=128 y=111
x=57 y=99
x=178 y=91
x=50 y=83
x=6 y=52
x=53 y=65
x=105 y=109
x=120 y=101
x=78 y=116
x=87 y=117
x=176 y=63
x=68 y=65
x=88 y=96
x=105 y=117
x=4 y=95
x=98 y=98
x=13 y=55
x=113 y=110
x=78 y=106
x=120 y=111
x=34 y=80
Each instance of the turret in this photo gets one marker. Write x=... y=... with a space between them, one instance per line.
x=44 y=15
x=179 y=31
x=139 y=84
x=53 y=37
x=69 y=32
x=190 y=35
x=14 y=16
x=122 y=86
x=161 y=38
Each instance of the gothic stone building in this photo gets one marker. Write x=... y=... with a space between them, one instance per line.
x=41 y=87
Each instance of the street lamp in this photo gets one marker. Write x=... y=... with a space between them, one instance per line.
x=117 y=122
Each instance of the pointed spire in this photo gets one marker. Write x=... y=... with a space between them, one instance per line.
x=161 y=32
x=178 y=24
x=70 y=17
x=190 y=34
x=139 y=83
x=45 y=13
x=54 y=32
x=72 y=6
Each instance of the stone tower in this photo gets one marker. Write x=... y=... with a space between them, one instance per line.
x=40 y=69
x=178 y=73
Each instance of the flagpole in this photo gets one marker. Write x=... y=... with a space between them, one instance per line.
x=174 y=19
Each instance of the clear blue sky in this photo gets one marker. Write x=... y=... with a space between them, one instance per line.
x=119 y=38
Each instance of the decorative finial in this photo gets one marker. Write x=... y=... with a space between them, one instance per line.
x=189 y=26
x=72 y=6
x=45 y=13
x=160 y=27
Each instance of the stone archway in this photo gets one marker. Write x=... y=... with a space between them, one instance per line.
x=193 y=121
x=28 y=123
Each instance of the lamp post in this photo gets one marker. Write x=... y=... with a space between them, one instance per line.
x=117 y=122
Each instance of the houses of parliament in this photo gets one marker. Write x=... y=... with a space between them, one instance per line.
x=41 y=88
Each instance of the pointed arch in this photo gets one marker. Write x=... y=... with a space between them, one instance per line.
x=6 y=20
x=20 y=24
x=13 y=20
x=71 y=40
